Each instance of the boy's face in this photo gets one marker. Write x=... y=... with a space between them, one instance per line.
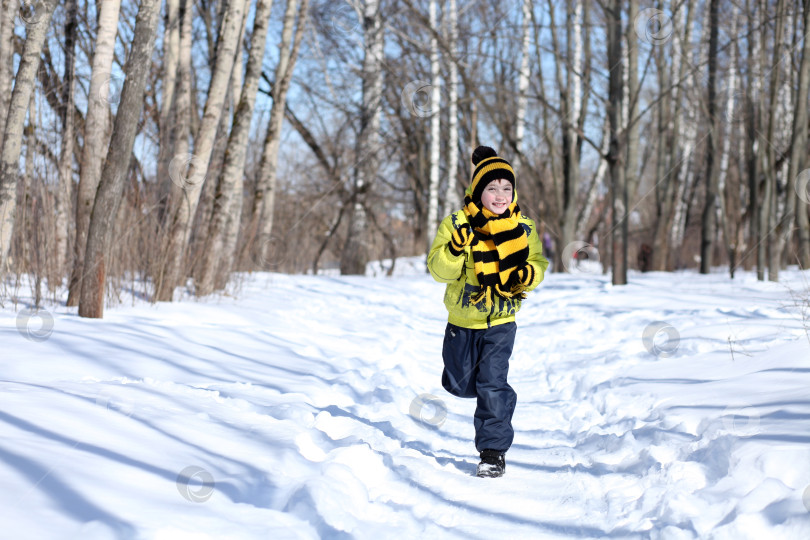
x=497 y=196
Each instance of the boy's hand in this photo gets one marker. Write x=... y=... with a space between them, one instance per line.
x=525 y=274
x=521 y=278
x=460 y=238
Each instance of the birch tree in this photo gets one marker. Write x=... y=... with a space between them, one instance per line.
x=8 y=9
x=227 y=204
x=37 y=24
x=182 y=214
x=435 y=116
x=167 y=119
x=114 y=173
x=523 y=76
x=722 y=174
x=452 y=199
x=354 y=255
x=264 y=197
x=615 y=157
x=64 y=195
x=798 y=143
x=767 y=220
x=681 y=140
x=95 y=136
x=708 y=221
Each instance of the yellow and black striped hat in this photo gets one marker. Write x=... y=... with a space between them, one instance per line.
x=488 y=169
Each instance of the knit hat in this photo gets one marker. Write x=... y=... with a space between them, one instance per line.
x=488 y=167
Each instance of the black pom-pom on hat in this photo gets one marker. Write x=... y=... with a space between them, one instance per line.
x=488 y=167
x=482 y=152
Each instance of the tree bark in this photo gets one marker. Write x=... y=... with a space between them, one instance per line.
x=799 y=144
x=722 y=214
x=680 y=147
x=227 y=202
x=8 y=9
x=435 y=126
x=63 y=201
x=769 y=153
x=116 y=166
x=191 y=181
x=616 y=153
x=167 y=120
x=632 y=176
x=36 y=32
x=452 y=199
x=355 y=253
x=524 y=77
x=708 y=221
x=95 y=137
x=265 y=194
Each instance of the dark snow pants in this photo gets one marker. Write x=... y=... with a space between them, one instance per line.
x=476 y=363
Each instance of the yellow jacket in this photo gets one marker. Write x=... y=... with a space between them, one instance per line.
x=459 y=274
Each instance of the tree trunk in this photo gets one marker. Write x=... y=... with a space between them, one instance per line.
x=677 y=164
x=523 y=80
x=116 y=166
x=770 y=170
x=798 y=145
x=707 y=223
x=95 y=137
x=435 y=126
x=355 y=252
x=722 y=214
x=616 y=153
x=263 y=205
x=63 y=201
x=790 y=169
x=571 y=108
x=219 y=246
x=166 y=125
x=632 y=176
x=36 y=32
x=752 y=127
x=8 y=9
x=452 y=199
x=192 y=181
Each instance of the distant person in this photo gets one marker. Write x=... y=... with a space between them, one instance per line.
x=490 y=256
x=644 y=258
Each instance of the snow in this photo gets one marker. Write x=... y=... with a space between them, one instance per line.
x=675 y=407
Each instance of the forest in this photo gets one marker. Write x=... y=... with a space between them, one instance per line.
x=158 y=146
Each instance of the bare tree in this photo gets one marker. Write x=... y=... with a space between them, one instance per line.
x=798 y=143
x=95 y=137
x=265 y=192
x=168 y=109
x=227 y=205
x=708 y=222
x=615 y=157
x=354 y=255
x=63 y=201
x=114 y=173
x=435 y=116
x=452 y=199
x=36 y=31
x=185 y=206
x=768 y=217
x=8 y=9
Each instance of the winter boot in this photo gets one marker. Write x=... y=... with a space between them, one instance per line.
x=492 y=464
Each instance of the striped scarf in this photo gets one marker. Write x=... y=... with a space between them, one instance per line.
x=501 y=246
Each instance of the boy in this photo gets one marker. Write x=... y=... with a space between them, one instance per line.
x=490 y=256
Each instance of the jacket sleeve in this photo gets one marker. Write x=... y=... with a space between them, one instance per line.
x=536 y=258
x=443 y=265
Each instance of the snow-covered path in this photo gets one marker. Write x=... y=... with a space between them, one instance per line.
x=294 y=411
